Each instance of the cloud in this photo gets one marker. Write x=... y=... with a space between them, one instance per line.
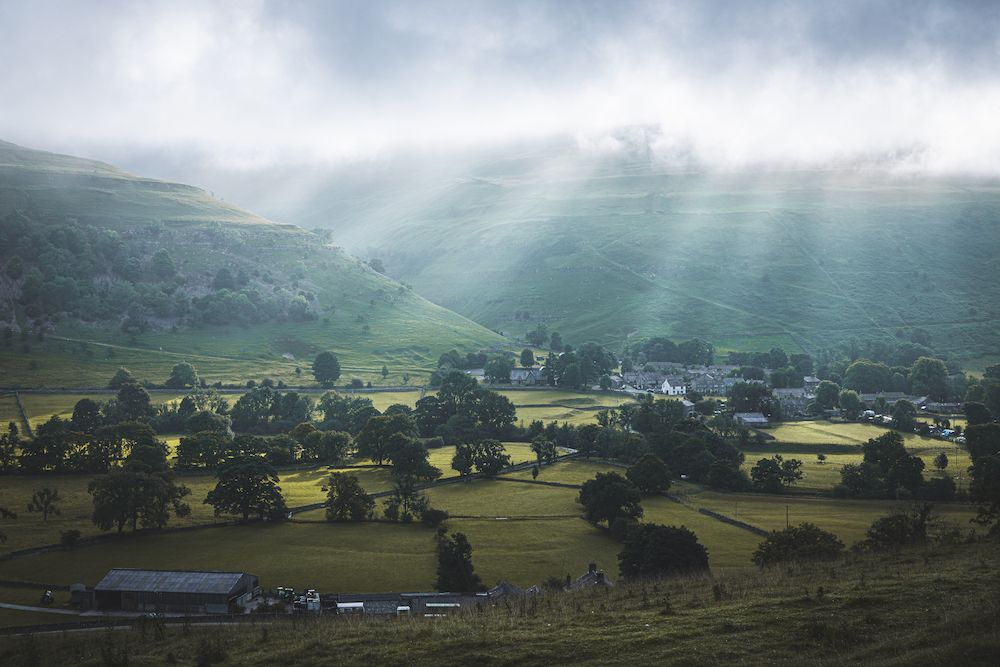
x=727 y=84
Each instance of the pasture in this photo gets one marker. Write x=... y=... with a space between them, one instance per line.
x=832 y=433
x=848 y=519
x=822 y=476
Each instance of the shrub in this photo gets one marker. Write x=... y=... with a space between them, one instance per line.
x=798 y=543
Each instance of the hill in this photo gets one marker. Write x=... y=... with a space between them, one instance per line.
x=927 y=607
x=606 y=246
x=100 y=268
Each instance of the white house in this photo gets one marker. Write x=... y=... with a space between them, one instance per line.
x=673 y=387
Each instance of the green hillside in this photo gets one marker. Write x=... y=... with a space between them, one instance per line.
x=602 y=248
x=115 y=270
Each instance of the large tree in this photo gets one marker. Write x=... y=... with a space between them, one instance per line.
x=455 y=572
x=490 y=457
x=650 y=474
x=527 y=357
x=182 y=376
x=773 y=475
x=375 y=439
x=609 y=496
x=326 y=368
x=929 y=377
x=346 y=500
x=247 y=486
x=655 y=550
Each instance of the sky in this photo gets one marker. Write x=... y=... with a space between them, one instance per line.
x=908 y=84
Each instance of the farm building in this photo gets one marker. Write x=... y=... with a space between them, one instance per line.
x=174 y=591
x=528 y=376
x=752 y=419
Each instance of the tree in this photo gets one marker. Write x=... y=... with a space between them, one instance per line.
x=775 y=474
x=162 y=265
x=544 y=450
x=182 y=376
x=463 y=460
x=652 y=550
x=247 y=485
x=374 y=441
x=326 y=368
x=86 y=416
x=904 y=416
x=983 y=442
x=143 y=492
x=329 y=447
x=527 y=357
x=609 y=496
x=827 y=395
x=941 y=461
x=490 y=457
x=409 y=458
x=650 y=474
x=498 y=369
x=203 y=449
x=571 y=377
x=929 y=377
x=132 y=403
x=977 y=413
x=206 y=420
x=385 y=371
x=850 y=403
x=347 y=500
x=405 y=501
x=455 y=572
x=866 y=376
x=45 y=500
x=804 y=542
x=555 y=342
x=121 y=376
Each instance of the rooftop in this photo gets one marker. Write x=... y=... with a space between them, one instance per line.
x=169 y=581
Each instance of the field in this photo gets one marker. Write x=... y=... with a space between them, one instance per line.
x=848 y=519
x=867 y=610
x=823 y=432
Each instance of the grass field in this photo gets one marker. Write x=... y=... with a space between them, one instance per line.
x=823 y=432
x=848 y=519
x=824 y=476
x=870 y=610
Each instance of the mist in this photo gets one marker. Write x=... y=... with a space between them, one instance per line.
x=910 y=85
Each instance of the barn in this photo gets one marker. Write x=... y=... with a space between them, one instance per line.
x=175 y=591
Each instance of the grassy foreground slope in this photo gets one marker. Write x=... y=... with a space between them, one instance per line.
x=92 y=233
x=928 y=607
x=602 y=247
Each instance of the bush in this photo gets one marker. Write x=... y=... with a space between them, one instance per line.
x=798 y=543
x=69 y=538
x=433 y=517
x=655 y=550
x=897 y=530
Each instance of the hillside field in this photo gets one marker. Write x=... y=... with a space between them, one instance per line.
x=801 y=260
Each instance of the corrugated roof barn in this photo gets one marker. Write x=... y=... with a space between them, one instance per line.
x=173 y=590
